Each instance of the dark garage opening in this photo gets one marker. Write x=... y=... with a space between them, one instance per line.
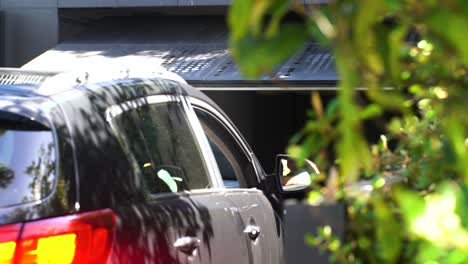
x=267 y=119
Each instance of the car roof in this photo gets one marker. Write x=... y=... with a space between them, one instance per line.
x=22 y=82
x=31 y=86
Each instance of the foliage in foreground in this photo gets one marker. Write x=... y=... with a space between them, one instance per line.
x=424 y=218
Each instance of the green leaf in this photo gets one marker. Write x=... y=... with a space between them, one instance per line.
x=390 y=42
x=411 y=204
x=320 y=27
x=456 y=133
x=279 y=10
x=462 y=206
x=457 y=257
x=388 y=232
x=257 y=56
x=428 y=253
x=371 y=111
x=394 y=5
x=370 y=13
x=452 y=28
x=388 y=99
x=332 y=108
x=310 y=240
x=239 y=18
x=257 y=16
x=315 y=32
x=378 y=183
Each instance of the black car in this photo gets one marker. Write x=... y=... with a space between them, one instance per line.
x=124 y=169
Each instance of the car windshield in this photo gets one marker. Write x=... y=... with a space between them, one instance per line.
x=27 y=160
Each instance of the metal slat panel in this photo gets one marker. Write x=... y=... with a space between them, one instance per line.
x=311 y=64
x=194 y=47
x=201 y=63
x=17 y=77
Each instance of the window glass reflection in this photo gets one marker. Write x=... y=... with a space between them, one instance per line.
x=27 y=164
x=162 y=147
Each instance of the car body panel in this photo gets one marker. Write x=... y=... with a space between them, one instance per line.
x=252 y=210
x=147 y=232
x=95 y=173
x=154 y=224
x=253 y=207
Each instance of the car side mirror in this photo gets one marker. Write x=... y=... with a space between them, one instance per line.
x=293 y=178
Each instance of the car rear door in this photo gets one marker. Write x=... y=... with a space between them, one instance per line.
x=256 y=217
x=185 y=217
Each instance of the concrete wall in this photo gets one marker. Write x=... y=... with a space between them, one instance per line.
x=29 y=28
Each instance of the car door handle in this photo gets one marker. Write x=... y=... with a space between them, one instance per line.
x=187 y=245
x=252 y=231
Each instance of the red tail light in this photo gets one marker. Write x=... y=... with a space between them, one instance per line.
x=8 y=237
x=80 y=238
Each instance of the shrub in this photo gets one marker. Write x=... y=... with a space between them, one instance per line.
x=423 y=116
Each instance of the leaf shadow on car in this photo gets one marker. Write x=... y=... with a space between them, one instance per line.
x=146 y=227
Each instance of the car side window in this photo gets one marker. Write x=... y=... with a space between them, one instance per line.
x=236 y=169
x=162 y=147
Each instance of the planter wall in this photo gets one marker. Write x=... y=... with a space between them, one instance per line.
x=300 y=219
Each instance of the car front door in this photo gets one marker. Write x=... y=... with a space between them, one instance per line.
x=241 y=176
x=185 y=216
